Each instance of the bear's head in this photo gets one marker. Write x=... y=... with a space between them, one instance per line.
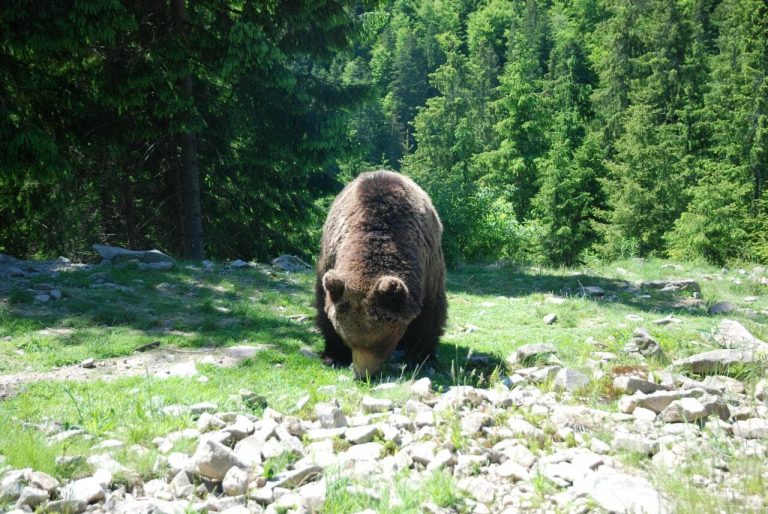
x=371 y=316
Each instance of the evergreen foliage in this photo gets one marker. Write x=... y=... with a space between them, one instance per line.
x=545 y=130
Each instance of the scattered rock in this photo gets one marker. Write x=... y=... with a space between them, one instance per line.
x=672 y=285
x=291 y=263
x=84 y=491
x=753 y=428
x=721 y=308
x=630 y=384
x=716 y=361
x=213 y=460
x=330 y=415
x=88 y=363
x=732 y=334
x=115 y=255
x=645 y=345
x=549 y=319
x=595 y=291
x=667 y=320
x=617 y=492
x=684 y=410
x=530 y=353
x=570 y=380
x=373 y=405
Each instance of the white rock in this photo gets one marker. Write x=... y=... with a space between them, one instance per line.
x=732 y=334
x=371 y=404
x=363 y=452
x=644 y=414
x=235 y=482
x=630 y=384
x=43 y=481
x=313 y=495
x=199 y=408
x=761 y=390
x=684 y=410
x=86 y=490
x=549 y=318
x=513 y=471
x=421 y=387
x=635 y=443
x=441 y=459
x=32 y=497
x=754 y=428
x=570 y=380
x=213 y=460
x=361 y=434
x=249 y=450
x=617 y=492
x=520 y=454
x=330 y=415
x=422 y=452
x=181 y=485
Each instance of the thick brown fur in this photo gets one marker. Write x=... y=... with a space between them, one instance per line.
x=381 y=272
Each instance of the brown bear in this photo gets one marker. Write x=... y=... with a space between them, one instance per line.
x=380 y=274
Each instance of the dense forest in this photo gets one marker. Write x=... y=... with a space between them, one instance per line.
x=552 y=131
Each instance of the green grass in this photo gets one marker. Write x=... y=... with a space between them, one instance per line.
x=492 y=311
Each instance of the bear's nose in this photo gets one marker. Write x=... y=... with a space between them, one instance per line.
x=365 y=364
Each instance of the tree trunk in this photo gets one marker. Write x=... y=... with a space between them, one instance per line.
x=189 y=188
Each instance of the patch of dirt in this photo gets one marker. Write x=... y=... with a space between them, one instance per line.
x=160 y=363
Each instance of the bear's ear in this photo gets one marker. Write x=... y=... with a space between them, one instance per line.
x=334 y=285
x=391 y=288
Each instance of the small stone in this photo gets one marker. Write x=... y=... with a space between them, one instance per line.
x=721 y=308
x=667 y=320
x=753 y=428
x=363 y=452
x=330 y=415
x=645 y=345
x=549 y=318
x=43 y=481
x=361 y=434
x=199 y=408
x=56 y=294
x=630 y=384
x=42 y=298
x=421 y=387
x=617 y=492
x=644 y=414
x=761 y=390
x=592 y=291
x=374 y=405
x=716 y=361
x=32 y=497
x=181 y=485
x=235 y=482
x=635 y=443
x=441 y=459
x=213 y=460
x=513 y=471
x=659 y=400
x=67 y=506
x=86 y=490
x=530 y=353
x=422 y=452
x=732 y=334
x=521 y=455
x=570 y=380
x=684 y=410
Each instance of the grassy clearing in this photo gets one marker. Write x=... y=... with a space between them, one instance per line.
x=493 y=310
